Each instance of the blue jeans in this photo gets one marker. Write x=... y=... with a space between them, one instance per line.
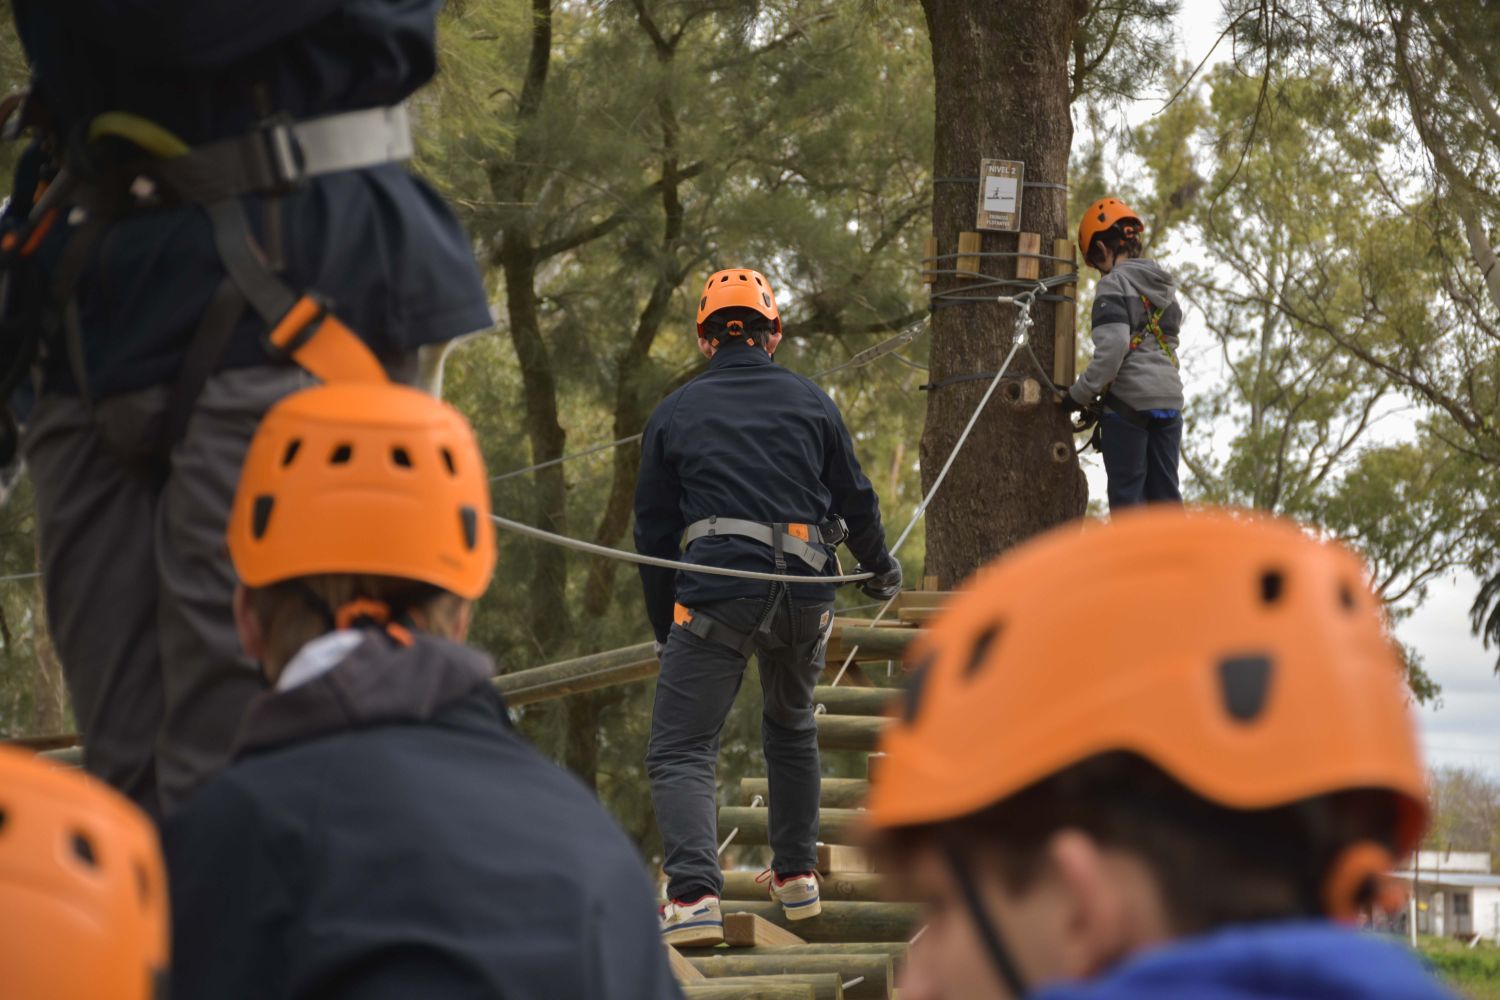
x=1141 y=461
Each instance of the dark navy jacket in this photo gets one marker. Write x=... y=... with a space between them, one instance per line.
x=378 y=242
x=746 y=439
x=1292 y=961
x=384 y=834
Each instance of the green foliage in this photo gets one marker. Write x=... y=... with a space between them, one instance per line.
x=1473 y=972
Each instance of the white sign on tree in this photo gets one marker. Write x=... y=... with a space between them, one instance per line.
x=1000 y=183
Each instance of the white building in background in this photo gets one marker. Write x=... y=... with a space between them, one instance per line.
x=1456 y=894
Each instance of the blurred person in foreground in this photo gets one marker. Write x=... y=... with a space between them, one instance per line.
x=1197 y=811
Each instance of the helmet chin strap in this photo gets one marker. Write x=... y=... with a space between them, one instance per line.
x=989 y=933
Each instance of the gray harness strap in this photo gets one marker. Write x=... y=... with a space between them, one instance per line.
x=768 y=535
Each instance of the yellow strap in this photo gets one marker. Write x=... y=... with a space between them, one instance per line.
x=142 y=131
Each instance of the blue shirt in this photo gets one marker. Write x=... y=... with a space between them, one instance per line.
x=1315 y=960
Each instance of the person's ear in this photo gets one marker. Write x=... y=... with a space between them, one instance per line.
x=706 y=348
x=1098 y=911
x=251 y=630
x=773 y=341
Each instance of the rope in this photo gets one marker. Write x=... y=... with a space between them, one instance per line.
x=19 y=576
x=635 y=557
x=566 y=458
x=1023 y=327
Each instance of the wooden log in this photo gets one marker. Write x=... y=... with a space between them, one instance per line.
x=587 y=673
x=968 y=243
x=849 y=887
x=876 y=643
x=838 y=793
x=895 y=949
x=921 y=616
x=835 y=826
x=768 y=989
x=682 y=970
x=855 y=701
x=923 y=598
x=1029 y=268
x=839 y=858
x=877 y=971
x=824 y=986
x=931 y=261
x=1064 y=318
x=849 y=732
x=748 y=930
x=841 y=921
x=854 y=677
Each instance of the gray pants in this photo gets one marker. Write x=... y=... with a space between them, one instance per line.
x=138 y=580
x=694 y=694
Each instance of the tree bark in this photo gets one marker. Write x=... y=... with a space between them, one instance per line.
x=1002 y=88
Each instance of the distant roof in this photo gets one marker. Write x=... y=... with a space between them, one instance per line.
x=1462 y=880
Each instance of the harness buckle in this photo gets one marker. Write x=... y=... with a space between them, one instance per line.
x=283 y=152
x=835 y=531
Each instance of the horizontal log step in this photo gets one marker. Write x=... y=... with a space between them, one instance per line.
x=840 y=793
x=843 y=700
x=835 y=826
x=824 y=986
x=769 y=989
x=875 y=973
x=874 y=643
x=849 y=732
x=856 y=887
x=842 y=922
x=895 y=949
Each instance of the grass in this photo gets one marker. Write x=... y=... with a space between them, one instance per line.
x=1473 y=972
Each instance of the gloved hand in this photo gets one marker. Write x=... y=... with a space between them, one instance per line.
x=885 y=584
x=1068 y=403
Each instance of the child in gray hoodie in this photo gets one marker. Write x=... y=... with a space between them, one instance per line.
x=1134 y=370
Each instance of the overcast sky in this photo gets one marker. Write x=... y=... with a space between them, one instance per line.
x=1464 y=727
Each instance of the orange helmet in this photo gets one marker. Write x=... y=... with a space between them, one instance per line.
x=364 y=477
x=83 y=894
x=1238 y=654
x=1102 y=216
x=738 y=286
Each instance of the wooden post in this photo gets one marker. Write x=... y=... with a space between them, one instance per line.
x=931 y=264
x=1065 y=324
x=749 y=930
x=1029 y=268
x=968 y=243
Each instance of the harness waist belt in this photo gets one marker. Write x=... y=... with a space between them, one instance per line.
x=799 y=540
x=280 y=154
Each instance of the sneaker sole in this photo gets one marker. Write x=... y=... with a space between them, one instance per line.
x=803 y=912
x=695 y=937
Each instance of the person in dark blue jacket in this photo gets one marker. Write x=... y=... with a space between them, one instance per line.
x=383 y=831
x=1205 y=812
x=748 y=467
x=211 y=164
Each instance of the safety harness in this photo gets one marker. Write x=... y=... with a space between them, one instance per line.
x=1153 y=327
x=93 y=185
x=1093 y=415
x=783 y=538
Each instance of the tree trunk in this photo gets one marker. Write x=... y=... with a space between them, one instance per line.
x=1002 y=87
x=549 y=616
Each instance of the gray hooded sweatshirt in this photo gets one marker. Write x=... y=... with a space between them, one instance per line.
x=1144 y=378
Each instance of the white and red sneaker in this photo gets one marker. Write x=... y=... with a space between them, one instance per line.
x=798 y=894
x=698 y=924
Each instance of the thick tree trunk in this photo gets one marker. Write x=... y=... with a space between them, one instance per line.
x=1002 y=85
